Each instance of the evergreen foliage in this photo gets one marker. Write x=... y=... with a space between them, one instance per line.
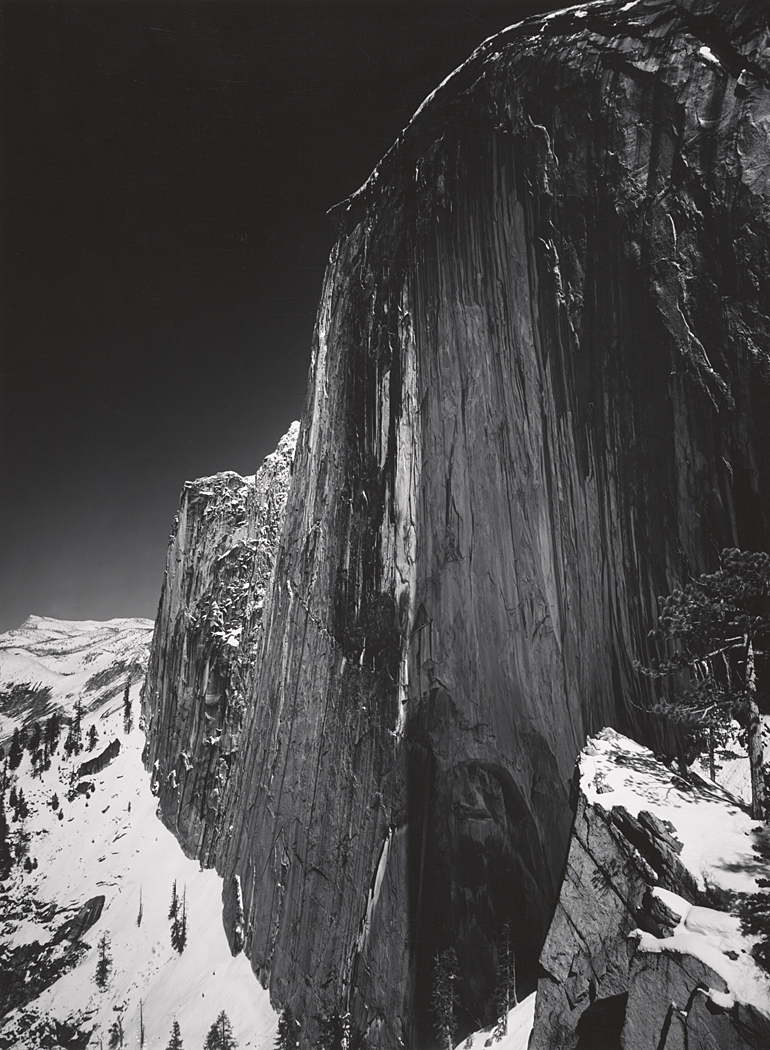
x=19 y=804
x=104 y=962
x=116 y=1034
x=288 y=1031
x=179 y=925
x=444 y=996
x=33 y=742
x=220 y=1036
x=128 y=720
x=17 y=749
x=6 y=857
x=713 y=635
x=172 y=910
x=73 y=745
x=175 y=1039
x=53 y=731
x=92 y=736
x=505 y=991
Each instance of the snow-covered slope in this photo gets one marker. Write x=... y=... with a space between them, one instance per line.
x=108 y=841
x=90 y=659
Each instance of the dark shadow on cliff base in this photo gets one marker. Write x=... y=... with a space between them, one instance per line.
x=600 y=1026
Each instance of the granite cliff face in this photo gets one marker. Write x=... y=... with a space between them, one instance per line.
x=209 y=623
x=538 y=399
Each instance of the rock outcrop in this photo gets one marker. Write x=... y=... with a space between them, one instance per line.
x=208 y=627
x=538 y=399
x=100 y=761
x=621 y=969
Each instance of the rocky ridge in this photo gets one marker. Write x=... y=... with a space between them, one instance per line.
x=643 y=952
x=209 y=625
x=537 y=400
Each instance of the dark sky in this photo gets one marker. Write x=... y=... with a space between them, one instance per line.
x=165 y=172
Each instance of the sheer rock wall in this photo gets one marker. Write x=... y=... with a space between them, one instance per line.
x=209 y=626
x=538 y=399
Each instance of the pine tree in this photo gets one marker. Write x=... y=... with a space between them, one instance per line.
x=116 y=1034
x=288 y=1031
x=175 y=1041
x=505 y=992
x=128 y=721
x=33 y=743
x=141 y=908
x=141 y=1025
x=179 y=925
x=713 y=632
x=92 y=736
x=174 y=902
x=52 y=732
x=17 y=749
x=6 y=857
x=444 y=996
x=104 y=962
x=21 y=809
x=74 y=742
x=220 y=1035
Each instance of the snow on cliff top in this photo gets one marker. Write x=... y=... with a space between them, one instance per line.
x=717 y=835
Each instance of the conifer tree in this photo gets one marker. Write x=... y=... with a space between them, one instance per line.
x=141 y=1025
x=220 y=1036
x=444 y=996
x=104 y=962
x=172 y=910
x=288 y=1031
x=21 y=809
x=505 y=991
x=116 y=1033
x=17 y=749
x=52 y=732
x=33 y=742
x=92 y=735
x=179 y=925
x=141 y=908
x=6 y=857
x=175 y=1040
x=713 y=631
x=128 y=721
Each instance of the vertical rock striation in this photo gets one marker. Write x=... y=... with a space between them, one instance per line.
x=538 y=398
x=209 y=625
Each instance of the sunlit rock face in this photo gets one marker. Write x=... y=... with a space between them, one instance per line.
x=218 y=568
x=538 y=399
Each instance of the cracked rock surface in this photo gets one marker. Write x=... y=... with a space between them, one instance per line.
x=538 y=399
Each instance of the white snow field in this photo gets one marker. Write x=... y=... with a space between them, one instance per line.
x=520 y=1021
x=113 y=843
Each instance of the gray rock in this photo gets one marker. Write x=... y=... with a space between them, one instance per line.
x=537 y=399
